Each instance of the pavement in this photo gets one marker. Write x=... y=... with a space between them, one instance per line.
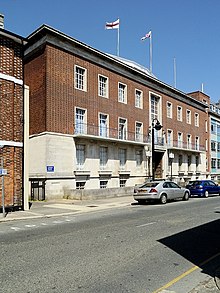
x=61 y=207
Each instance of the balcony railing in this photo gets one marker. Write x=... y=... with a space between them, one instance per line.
x=184 y=145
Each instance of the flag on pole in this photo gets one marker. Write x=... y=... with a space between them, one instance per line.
x=112 y=25
x=148 y=35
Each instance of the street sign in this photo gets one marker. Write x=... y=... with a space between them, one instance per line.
x=50 y=168
x=3 y=172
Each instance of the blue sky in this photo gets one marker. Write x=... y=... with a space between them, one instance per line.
x=187 y=30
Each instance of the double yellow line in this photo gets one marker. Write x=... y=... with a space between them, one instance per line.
x=177 y=279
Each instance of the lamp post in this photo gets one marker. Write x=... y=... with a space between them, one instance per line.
x=171 y=157
x=3 y=187
x=155 y=125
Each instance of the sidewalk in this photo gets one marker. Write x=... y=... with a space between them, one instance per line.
x=67 y=207
x=60 y=207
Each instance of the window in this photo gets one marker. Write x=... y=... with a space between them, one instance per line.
x=180 y=160
x=122 y=128
x=189 y=162
x=139 y=157
x=179 y=113
x=197 y=161
x=80 y=156
x=213 y=163
x=197 y=121
x=103 y=125
x=103 y=86
x=180 y=139
x=197 y=143
x=80 y=121
x=218 y=163
x=189 y=142
x=213 y=146
x=122 y=93
x=122 y=158
x=218 y=147
x=138 y=131
x=122 y=182
x=188 y=116
x=169 y=137
x=103 y=183
x=154 y=107
x=80 y=185
x=213 y=127
x=169 y=110
x=103 y=156
x=138 y=99
x=80 y=78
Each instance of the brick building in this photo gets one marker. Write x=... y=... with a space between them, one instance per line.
x=13 y=129
x=91 y=119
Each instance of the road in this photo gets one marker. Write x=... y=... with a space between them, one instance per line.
x=138 y=248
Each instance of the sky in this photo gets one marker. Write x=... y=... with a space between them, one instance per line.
x=187 y=31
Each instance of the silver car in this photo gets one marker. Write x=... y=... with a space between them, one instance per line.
x=161 y=191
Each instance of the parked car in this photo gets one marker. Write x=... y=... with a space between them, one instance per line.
x=161 y=191
x=203 y=188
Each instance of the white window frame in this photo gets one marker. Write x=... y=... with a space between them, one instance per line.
x=155 y=107
x=169 y=110
x=122 y=131
x=180 y=139
x=80 y=124
x=197 y=143
x=188 y=116
x=138 y=131
x=169 y=137
x=197 y=121
x=122 y=93
x=103 y=184
x=80 y=84
x=138 y=98
x=179 y=113
x=189 y=141
x=103 y=86
x=103 y=127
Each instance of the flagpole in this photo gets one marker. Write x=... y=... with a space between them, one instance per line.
x=118 y=43
x=151 y=52
x=174 y=71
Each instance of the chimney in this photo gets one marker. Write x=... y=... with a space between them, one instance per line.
x=1 y=21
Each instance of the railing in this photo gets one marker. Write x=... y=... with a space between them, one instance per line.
x=183 y=145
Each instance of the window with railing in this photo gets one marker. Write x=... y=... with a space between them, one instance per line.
x=122 y=128
x=169 y=137
x=189 y=141
x=80 y=121
x=197 y=143
x=180 y=140
x=103 y=125
x=139 y=131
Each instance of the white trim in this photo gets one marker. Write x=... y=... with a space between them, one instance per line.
x=11 y=78
x=11 y=143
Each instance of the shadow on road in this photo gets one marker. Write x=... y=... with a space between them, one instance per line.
x=200 y=245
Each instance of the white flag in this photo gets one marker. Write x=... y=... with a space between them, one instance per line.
x=148 y=35
x=112 y=25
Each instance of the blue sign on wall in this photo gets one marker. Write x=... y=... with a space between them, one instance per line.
x=50 y=168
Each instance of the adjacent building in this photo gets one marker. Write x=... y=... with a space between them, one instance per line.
x=13 y=121
x=91 y=120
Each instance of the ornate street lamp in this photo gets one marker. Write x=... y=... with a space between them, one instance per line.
x=155 y=125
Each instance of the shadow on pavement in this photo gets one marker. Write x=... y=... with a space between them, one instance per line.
x=200 y=245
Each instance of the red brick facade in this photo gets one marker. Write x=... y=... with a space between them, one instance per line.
x=11 y=122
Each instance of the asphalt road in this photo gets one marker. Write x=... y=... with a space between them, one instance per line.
x=138 y=248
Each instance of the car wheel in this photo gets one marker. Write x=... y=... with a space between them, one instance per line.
x=206 y=194
x=163 y=199
x=186 y=196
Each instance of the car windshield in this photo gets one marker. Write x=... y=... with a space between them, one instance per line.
x=150 y=184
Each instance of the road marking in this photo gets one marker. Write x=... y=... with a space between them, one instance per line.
x=186 y=273
x=147 y=224
x=15 y=228
x=30 y=226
